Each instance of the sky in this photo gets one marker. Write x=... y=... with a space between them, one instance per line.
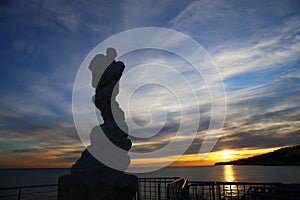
x=254 y=44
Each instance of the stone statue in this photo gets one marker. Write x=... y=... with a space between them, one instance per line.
x=108 y=84
x=95 y=179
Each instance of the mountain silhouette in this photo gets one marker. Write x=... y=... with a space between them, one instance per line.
x=287 y=156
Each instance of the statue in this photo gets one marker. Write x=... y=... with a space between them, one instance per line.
x=108 y=84
x=95 y=179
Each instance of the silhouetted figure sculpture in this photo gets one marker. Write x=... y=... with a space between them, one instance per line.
x=90 y=178
x=108 y=84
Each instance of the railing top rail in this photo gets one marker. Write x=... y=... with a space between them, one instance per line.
x=247 y=183
x=157 y=179
x=233 y=183
x=168 y=177
x=28 y=186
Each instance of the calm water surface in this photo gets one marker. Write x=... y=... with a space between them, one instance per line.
x=285 y=174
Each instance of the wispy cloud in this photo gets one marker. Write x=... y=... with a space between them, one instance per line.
x=269 y=53
x=148 y=13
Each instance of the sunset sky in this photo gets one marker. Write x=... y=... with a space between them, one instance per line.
x=255 y=44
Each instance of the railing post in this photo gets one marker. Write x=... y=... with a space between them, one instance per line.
x=19 y=195
x=213 y=191
x=158 y=191
x=185 y=190
x=168 y=190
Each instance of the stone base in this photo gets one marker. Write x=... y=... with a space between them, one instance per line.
x=97 y=187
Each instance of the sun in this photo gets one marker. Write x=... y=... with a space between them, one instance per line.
x=226 y=154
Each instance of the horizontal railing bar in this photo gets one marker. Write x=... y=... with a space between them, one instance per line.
x=40 y=192
x=235 y=183
x=161 y=179
x=8 y=195
x=142 y=180
x=28 y=186
x=45 y=197
x=247 y=183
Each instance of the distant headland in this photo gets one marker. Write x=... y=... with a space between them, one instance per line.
x=288 y=156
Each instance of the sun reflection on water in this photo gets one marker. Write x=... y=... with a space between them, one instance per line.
x=229 y=174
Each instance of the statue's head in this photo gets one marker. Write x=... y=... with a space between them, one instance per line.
x=111 y=53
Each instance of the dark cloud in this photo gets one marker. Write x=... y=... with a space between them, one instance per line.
x=66 y=159
x=25 y=150
x=17 y=124
x=286 y=115
x=258 y=139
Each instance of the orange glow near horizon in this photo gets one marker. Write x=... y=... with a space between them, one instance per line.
x=227 y=154
x=51 y=159
x=60 y=157
x=210 y=159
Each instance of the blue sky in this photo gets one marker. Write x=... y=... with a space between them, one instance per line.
x=255 y=44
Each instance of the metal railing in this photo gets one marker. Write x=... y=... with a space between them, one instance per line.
x=208 y=190
x=178 y=189
x=154 y=188
x=174 y=188
x=149 y=189
x=273 y=192
x=33 y=192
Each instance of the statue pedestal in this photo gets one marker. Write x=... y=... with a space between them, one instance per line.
x=90 y=179
x=95 y=186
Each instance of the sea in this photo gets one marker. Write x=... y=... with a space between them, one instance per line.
x=282 y=174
